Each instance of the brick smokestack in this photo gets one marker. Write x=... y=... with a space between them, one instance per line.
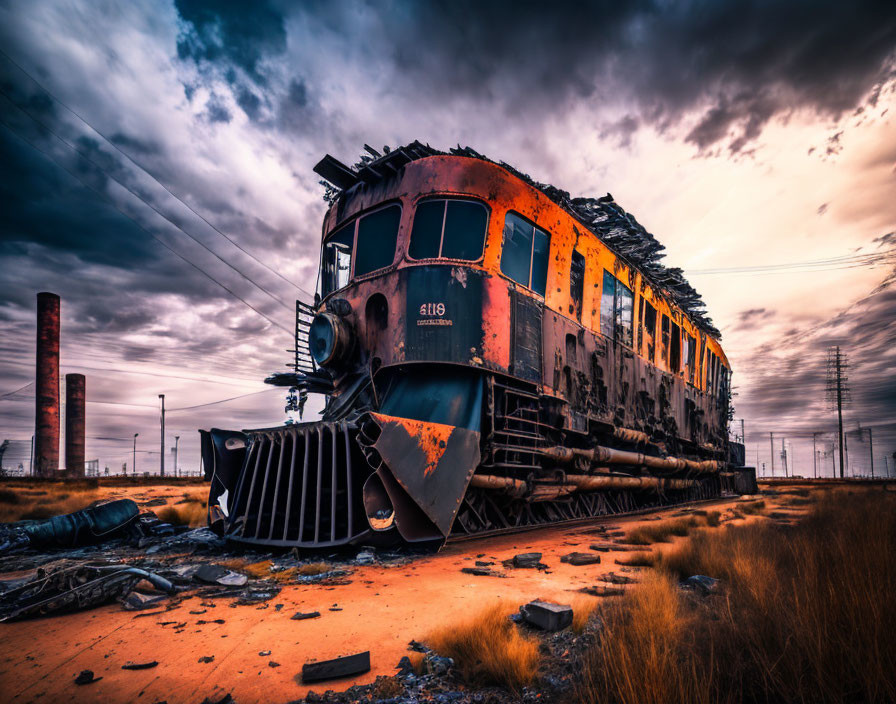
x=75 y=421
x=46 y=412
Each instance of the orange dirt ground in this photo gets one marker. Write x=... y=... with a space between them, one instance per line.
x=382 y=610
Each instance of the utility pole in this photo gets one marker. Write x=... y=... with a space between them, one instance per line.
x=176 y=438
x=743 y=436
x=162 y=440
x=871 y=451
x=814 y=456
x=837 y=390
x=135 y=454
x=31 y=461
x=771 y=444
x=784 y=457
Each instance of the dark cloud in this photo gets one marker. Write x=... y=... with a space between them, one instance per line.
x=236 y=32
x=216 y=110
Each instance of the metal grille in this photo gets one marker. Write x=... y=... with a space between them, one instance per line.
x=301 y=486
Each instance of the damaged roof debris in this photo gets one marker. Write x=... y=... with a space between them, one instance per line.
x=617 y=228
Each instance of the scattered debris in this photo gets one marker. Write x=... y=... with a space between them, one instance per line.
x=273 y=664
x=700 y=583
x=481 y=571
x=603 y=591
x=200 y=622
x=86 y=677
x=139 y=665
x=215 y=574
x=264 y=653
x=527 y=560
x=74 y=588
x=356 y=664
x=299 y=616
x=437 y=665
x=366 y=557
x=617 y=547
x=579 y=559
x=482 y=563
x=205 y=659
x=614 y=578
x=547 y=616
x=257 y=596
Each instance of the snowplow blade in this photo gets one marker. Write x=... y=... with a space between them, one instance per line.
x=422 y=472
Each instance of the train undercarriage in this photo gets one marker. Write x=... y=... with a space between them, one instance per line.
x=468 y=455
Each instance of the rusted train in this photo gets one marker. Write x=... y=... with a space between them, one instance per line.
x=489 y=362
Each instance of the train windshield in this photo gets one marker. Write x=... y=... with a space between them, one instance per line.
x=453 y=229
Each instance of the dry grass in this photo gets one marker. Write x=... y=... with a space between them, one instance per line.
x=489 y=650
x=806 y=615
x=751 y=507
x=23 y=504
x=260 y=570
x=582 y=609
x=313 y=568
x=191 y=514
x=416 y=661
x=661 y=532
x=637 y=559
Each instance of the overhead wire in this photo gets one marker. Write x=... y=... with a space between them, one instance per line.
x=99 y=168
x=144 y=229
x=150 y=174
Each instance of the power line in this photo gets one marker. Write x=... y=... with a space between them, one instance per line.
x=842 y=262
x=166 y=246
x=99 y=168
x=148 y=173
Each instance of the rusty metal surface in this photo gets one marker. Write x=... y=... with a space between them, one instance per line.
x=75 y=423
x=46 y=413
x=431 y=462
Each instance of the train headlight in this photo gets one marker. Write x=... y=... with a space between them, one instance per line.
x=329 y=339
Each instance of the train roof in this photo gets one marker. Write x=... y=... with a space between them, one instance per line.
x=615 y=227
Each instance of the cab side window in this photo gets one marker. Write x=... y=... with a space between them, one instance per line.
x=524 y=256
x=576 y=285
x=617 y=307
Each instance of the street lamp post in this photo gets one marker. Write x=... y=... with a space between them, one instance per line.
x=176 y=438
x=134 y=472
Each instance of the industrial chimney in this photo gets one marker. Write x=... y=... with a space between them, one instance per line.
x=75 y=421
x=46 y=412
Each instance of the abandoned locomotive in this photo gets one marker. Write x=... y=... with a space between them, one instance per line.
x=494 y=355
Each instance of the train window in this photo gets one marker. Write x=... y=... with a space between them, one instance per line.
x=608 y=305
x=664 y=342
x=625 y=313
x=377 y=234
x=576 y=284
x=675 y=349
x=702 y=367
x=648 y=325
x=465 y=223
x=454 y=229
x=690 y=355
x=540 y=255
x=426 y=235
x=338 y=258
x=617 y=306
x=524 y=256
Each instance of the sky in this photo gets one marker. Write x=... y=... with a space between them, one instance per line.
x=157 y=175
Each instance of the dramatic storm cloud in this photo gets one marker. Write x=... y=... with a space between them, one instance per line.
x=157 y=175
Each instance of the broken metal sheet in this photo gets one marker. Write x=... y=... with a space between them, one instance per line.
x=215 y=574
x=432 y=462
x=74 y=588
x=356 y=664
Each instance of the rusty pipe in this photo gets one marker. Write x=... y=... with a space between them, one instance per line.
x=610 y=455
x=631 y=435
x=509 y=485
x=550 y=492
x=591 y=483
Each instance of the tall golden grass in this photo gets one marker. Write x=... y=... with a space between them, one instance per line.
x=489 y=650
x=806 y=614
